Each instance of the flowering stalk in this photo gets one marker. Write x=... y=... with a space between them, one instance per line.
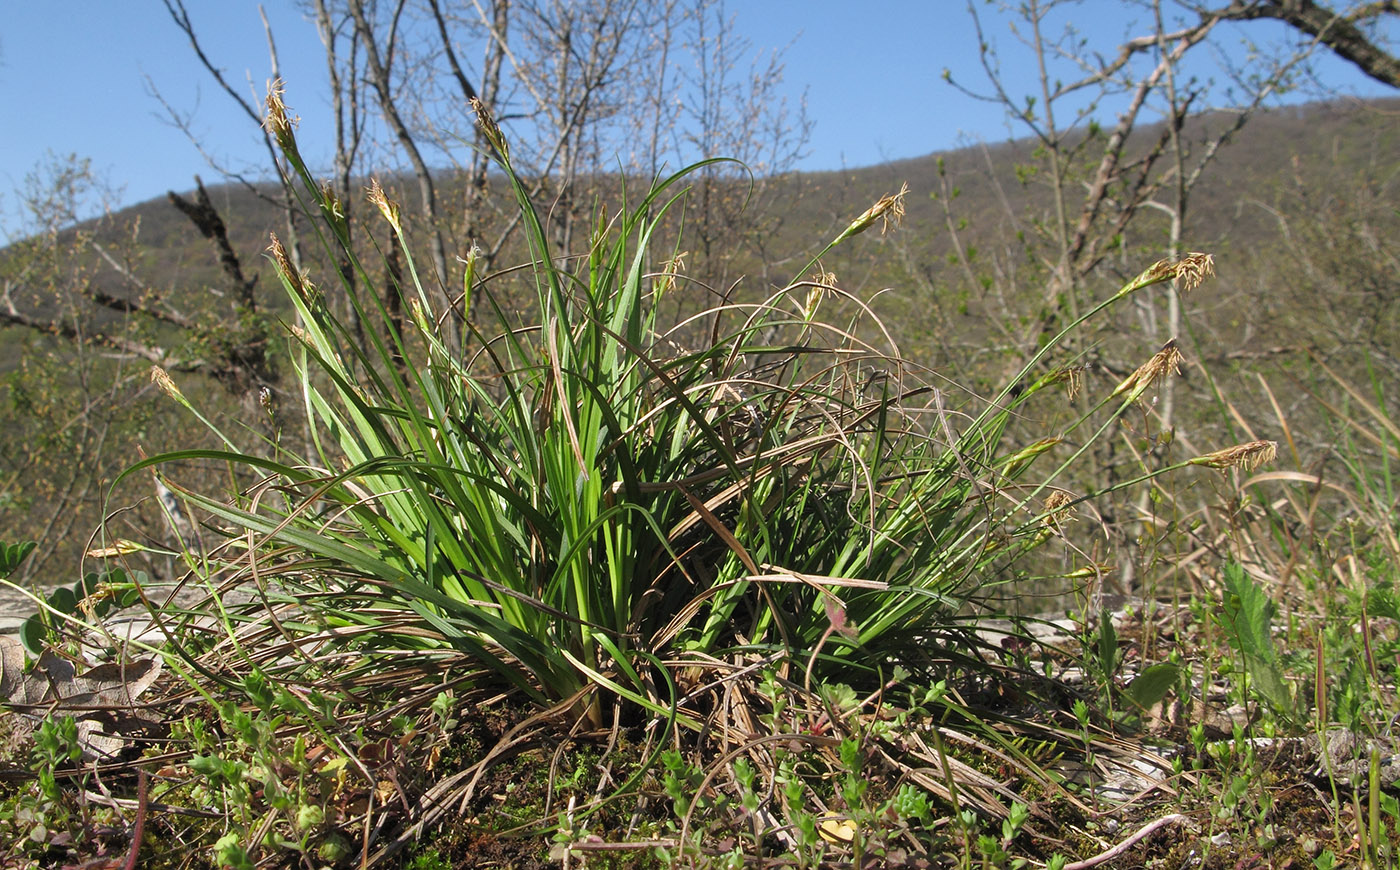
x=161 y=378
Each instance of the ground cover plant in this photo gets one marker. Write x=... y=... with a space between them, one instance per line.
x=577 y=585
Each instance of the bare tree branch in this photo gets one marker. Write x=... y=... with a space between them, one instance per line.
x=380 y=80
x=181 y=17
x=1339 y=31
x=206 y=219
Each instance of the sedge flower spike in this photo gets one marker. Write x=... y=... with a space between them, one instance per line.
x=387 y=207
x=295 y=277
x=669 y=273
x=1192 y=271
x=277 y=122
x=1058 y=510
x=490 y=130
x=822 y=284
x=1247 y=456
x=1164 y=362
x=1187 y=274
x=889 y=210
x=161 y=378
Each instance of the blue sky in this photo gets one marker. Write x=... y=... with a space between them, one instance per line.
x=76 y=77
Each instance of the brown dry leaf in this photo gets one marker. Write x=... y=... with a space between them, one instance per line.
x=102 y=699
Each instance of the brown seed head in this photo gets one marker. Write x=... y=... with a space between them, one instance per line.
x=1158 y=271
x=1165 y=361
x=490 y=129
x=294 y=276
x=1248 y=456
x=1057 y=509
x=279 y=255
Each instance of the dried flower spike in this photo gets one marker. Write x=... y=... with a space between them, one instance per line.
x=669 y=272
x=1192 y=271
x=1057 y=509
x=161 y=378
x=296 y=278
x=1248 y=456
x=1073 y=379
x=1165 y=361
x=822 y=284
x=276 y=121
x=889 y=211
x=490 y=129
x=1188 y=273
x=386 y=206
x=1158 y=271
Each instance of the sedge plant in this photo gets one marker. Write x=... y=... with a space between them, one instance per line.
x=576 y=505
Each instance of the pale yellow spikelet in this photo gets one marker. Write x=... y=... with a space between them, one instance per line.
x=889 y=210
x=1016 y=462
x=122 y=547
x=1092 y=571
x=420 y=317
x=1188 y=273
x=669 y=273
x=823 y=283
x=277 y=122
x=1192 y=271
x=161 y=378
x=332 y=207
x=1248 y=456
x=1164 y=362
x=474 y=255
x=386 y=206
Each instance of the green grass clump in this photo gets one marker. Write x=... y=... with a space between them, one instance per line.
x=578 y=503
